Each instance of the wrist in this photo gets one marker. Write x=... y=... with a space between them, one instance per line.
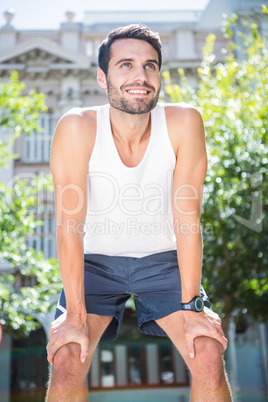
x=196 y=304
x=79 y=315
x=77 y=320
x=75 y=306
x=186 y=297
x=190 y=314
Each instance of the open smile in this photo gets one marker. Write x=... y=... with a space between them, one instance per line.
x=137 y=91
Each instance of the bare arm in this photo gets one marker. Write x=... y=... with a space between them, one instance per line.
x=70 y=154
x=188 y=182
x=189 y=175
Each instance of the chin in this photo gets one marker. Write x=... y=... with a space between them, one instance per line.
x=140 y=108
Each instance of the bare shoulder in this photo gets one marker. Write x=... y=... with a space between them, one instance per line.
x=78 y=124
x=75 y=134
x=185 y=112
x=184 y=123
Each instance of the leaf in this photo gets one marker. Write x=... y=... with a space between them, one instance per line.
x=264 y=9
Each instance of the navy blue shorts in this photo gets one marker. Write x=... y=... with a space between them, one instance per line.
x=154 y=281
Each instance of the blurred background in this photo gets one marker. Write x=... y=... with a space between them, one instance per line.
x=215 y=57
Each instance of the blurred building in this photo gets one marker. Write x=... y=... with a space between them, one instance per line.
x=62 y=64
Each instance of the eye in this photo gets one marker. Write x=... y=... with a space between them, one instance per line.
x=126 y=64
x=150 y=66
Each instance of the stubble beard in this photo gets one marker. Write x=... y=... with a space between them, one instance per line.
x=140 y=106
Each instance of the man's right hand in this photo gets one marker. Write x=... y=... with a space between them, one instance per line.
x=67 y=329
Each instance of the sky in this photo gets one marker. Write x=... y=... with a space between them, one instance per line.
x=42 y=14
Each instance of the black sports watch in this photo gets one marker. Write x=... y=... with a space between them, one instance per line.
x=196 y=304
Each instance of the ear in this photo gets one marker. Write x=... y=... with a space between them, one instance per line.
x=101 y=77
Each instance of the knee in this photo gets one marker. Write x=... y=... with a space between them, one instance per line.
x=67 y=365
x=208 y=365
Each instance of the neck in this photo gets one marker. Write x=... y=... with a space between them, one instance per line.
x=128 y=128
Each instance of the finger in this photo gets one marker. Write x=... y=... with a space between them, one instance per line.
x=220 y=330
x=221 y=338
x=52 y=328
x=209 y=311
x=212 y=314
x=224 y=342
x=190 y=346
x=48 y=353
x=84 y=350
x=217 y=318
x=52 y=348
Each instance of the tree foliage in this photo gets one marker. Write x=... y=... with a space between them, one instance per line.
x=233 y=100
x=18 y=113
x=18 y=203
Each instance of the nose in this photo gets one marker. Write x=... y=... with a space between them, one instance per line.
x=140 y=74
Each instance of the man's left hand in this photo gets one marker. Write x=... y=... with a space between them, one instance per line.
x=206 y=323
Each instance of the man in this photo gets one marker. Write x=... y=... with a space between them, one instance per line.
x=132 y=173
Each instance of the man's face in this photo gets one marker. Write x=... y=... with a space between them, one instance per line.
x=133 y=80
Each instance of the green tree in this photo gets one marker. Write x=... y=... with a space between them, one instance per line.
x=18 y=202
x=233 y=100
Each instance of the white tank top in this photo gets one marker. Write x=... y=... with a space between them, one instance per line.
x=129 y=210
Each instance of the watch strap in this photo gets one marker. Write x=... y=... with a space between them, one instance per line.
x=196 y=304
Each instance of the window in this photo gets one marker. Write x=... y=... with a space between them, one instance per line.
x=29 y=368
x=107 y=367
x=36 y=147
x=135 y=370
x=44 y=238
x=137 y=365
x=92 y=48
x=166 y=364
x=165 y=50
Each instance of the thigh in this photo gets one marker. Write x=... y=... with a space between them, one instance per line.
x=173 y=325
x=208 y=351
x=97 y=325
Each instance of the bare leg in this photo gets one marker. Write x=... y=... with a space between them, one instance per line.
x=68 y=375
x=209 y=379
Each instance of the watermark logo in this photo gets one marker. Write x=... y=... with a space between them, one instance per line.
x=151 y=201
x=255 y=220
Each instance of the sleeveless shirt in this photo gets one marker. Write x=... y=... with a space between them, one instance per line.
x=129 y=211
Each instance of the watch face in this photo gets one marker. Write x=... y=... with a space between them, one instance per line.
x=199 y=304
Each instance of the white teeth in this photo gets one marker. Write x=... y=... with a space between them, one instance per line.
x=137 y=91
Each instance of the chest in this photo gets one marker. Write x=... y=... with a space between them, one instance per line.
x=131 y=156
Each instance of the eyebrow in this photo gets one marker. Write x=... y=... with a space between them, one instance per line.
x=129 y=59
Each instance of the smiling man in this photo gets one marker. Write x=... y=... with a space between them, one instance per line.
x=131 y=173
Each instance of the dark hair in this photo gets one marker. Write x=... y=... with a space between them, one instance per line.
x=133 y=31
